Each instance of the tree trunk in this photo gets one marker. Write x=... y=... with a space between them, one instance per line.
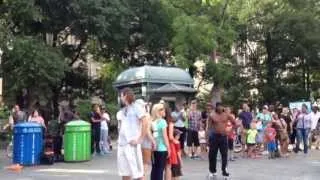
x=55 y=102
x=308 y=81
x=216 y=94
x=270 y=95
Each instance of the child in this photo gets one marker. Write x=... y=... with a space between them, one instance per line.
x=177 y=161
x=270 y=138
x=231 y=138
x=251 y=140
x=202 y=139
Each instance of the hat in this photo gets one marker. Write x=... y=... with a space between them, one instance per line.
x=315 y=105
x=265 y=107
x=176 y=132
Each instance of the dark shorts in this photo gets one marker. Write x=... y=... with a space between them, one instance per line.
x=230 y=144
x=192 y=138
x=176 y=170
x=250 y=145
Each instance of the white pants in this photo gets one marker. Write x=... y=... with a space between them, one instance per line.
x=130 y=161
x=104 y=145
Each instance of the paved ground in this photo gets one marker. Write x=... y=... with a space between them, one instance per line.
x=297 y=167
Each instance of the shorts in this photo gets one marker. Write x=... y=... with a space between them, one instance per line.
x=146 y=156
x=230 y=144
x=192 y=138
x=272 y=146
x=251 y=144
x=176 y=170
x=130 y=162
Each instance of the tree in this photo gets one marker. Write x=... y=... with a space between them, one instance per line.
x=282 y=38
x=32 y=65
x=206 y=31
x=109 y=30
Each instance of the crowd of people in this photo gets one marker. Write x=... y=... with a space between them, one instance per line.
x=157 y=138
x=154 y=139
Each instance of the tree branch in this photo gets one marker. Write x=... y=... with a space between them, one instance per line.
x=78 y=51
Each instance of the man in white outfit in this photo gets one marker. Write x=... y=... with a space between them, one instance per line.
x=315 y=117
x=131 y=134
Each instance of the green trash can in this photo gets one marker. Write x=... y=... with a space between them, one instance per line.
x=77 y=141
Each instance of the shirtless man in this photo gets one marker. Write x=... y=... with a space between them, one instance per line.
x=219 y=120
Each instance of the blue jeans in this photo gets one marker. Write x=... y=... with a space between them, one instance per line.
x=158 y=164
x=303 y=134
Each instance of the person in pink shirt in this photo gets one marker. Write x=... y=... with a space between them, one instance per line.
x=35 y=117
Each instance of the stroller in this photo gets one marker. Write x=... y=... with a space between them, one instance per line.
x=48 y=156
x=52 y=144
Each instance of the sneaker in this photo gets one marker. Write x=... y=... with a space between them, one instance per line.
x=212 y=175
x=225 y=174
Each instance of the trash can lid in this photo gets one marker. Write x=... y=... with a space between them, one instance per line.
x=78 y=126
x=77 y=123
x=27 y=124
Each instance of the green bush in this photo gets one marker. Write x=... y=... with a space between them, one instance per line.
x=83 y=107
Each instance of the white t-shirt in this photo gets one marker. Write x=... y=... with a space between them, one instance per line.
x=130 y=124
x=314 y=118
x=105 y=120
x=119 y=117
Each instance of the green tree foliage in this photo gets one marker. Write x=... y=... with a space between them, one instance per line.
x=33 y=65
x=205 y=30
x=284 y=38
x=109 y=73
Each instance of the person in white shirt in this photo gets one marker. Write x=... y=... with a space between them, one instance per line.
x=104 y=133
x=131 y=134
x=315 y=117
x=303 y=128
x=120 y=118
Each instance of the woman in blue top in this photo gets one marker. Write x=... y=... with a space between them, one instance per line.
x=162 y=150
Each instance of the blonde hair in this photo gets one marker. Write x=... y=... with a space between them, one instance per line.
x=155 y=111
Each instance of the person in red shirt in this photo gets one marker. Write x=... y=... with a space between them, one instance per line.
x=270 y=139
x=175 y=158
